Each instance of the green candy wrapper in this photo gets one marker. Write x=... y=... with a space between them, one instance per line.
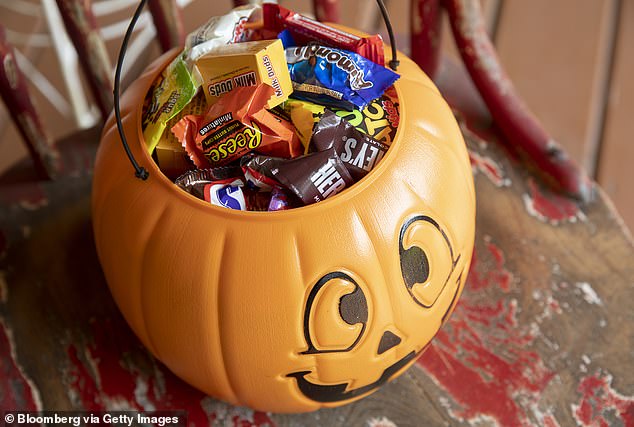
x=170 y=93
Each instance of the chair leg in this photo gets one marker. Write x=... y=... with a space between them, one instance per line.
x=168 y=20
x=83 y=30
x=520 y=127
x=326 y=10
x=425 y=34
x=15 y=94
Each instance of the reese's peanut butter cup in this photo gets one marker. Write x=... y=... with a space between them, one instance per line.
x=314 y=177
x=358 y=151
x=235 y=125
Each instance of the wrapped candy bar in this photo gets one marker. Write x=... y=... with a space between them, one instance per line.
x=172 y=91
x=169 y=152
x=314 y=177
x=304 y=115
x=335 y=77
x=256 y=200
x=279 y=200
x=379 y=119
x=308 y=31
x=215 y=186
x=235 y=125
x=176 y=86
x=257 y=171
x=219 y=31
x=358 y=151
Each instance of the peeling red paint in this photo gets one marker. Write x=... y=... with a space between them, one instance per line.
x=482 y=276
x=104 y=376
x=600 y=404
x=82 y=383
x=481 y=358
x=550 y=208
x=16 y=392
x=489 y=168
x=550 y=421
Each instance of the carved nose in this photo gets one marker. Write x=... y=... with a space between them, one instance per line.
x=388 y=340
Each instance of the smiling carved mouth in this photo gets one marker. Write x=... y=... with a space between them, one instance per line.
x=338 y=392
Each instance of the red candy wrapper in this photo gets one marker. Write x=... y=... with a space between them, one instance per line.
x=235 y=125
x=305 y=31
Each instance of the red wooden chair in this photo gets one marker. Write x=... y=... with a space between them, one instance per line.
x=541 y=336
x=82 y=27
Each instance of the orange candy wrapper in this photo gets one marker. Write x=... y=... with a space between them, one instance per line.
x=235 y=125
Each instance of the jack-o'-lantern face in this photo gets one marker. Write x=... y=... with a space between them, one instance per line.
x=348 y=323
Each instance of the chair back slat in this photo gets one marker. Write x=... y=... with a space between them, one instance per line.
x=425 y=34
x=83 y=30
x=168 y=20
x=15 y=94
x=326 y=10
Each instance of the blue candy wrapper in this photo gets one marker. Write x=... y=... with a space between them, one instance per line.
x=227 y=193
x=287 y=39
x=336 y=77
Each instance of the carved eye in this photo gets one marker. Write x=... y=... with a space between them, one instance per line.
x=336 y=314
x=427 y=259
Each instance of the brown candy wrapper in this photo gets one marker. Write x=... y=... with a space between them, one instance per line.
x=358 y=151
x=235 y=125
x=314 y=177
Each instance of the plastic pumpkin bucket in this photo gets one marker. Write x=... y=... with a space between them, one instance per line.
x=294 y=310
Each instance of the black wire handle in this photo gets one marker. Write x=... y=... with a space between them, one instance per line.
x=394 y=63
x=139 y=171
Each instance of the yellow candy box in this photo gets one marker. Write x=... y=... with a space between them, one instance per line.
x=245 y=64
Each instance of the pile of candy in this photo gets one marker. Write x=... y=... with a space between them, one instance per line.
x=267 y=110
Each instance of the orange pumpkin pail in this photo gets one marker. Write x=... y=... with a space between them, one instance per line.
x=294 y=310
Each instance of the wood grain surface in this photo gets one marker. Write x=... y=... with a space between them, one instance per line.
x=541 y=336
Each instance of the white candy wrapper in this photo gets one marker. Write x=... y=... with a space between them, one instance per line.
x=219 y=31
